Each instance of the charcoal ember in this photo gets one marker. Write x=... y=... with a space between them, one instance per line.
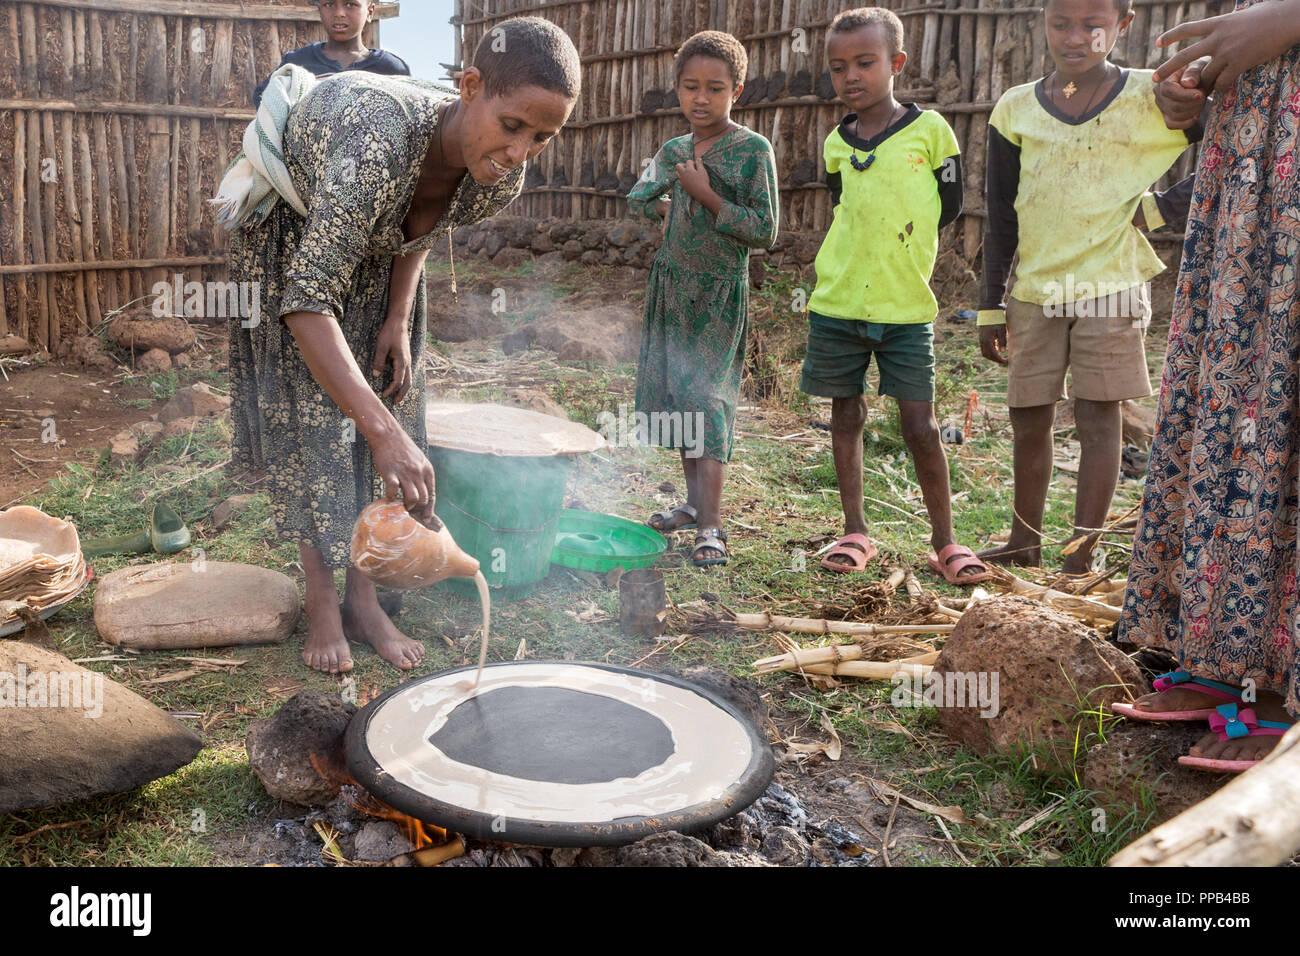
x=785 y=847
x=739 y=832
x=378 y=841
x=779 y=807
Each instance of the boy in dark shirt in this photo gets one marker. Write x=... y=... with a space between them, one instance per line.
x=343 y=20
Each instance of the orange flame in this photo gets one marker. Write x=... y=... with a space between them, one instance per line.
x=417 y=832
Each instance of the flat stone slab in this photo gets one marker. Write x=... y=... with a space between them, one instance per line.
x=70 y=733
x=195 y=604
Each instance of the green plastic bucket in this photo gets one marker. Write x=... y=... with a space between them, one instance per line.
x=502 y=511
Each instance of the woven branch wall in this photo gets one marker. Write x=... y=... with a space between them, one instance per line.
x=117 y=118
x=962 y=55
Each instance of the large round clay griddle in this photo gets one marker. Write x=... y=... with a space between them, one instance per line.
x=504 y=430
x=554 y=753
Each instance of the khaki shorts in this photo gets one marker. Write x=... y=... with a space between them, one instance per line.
x=1103 y=350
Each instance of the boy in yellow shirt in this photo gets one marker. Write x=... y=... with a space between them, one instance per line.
x=895 y=179
x=1070 y=159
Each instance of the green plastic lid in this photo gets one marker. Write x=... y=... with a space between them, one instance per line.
x=591 y=541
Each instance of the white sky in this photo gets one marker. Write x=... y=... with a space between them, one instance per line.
x=421 y=35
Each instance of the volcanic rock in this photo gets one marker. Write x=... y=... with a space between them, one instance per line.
x=85 y=350
x=1140 y=759
x=280 y=747
x=113 y=741
x=1049 y=667
x=154 y=360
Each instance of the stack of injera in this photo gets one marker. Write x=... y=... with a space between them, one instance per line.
x=40 y=562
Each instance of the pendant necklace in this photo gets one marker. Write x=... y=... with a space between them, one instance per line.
x=451 y=256
x=861 y=165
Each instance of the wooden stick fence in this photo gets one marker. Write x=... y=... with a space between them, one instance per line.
x=963 y=54
x=117 y=119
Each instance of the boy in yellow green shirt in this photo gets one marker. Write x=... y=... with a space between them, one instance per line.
x=894 y=174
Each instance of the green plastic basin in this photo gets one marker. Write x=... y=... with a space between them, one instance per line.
x=591 y=541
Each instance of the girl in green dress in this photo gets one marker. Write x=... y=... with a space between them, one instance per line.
x=328 y=386
x=724 y=200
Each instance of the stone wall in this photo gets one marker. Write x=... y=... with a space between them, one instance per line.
x=511 y=240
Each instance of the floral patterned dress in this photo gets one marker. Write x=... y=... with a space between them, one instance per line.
x=354 y=147
x=697 y=296
x=1213 y=575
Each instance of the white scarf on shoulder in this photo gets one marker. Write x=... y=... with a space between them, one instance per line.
x=258 y=178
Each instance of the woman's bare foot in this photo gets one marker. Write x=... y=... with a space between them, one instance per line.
x=1177 y=698
x=326 y=649
x=1013 y=553
x=1268 y=707
x=365 y=621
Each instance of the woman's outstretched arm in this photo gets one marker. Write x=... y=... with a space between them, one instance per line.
x=403 y=466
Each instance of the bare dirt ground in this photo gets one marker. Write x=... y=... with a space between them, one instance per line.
x=86 y=409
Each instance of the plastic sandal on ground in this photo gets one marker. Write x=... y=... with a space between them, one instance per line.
x=955 y=558
x=666 y=516
x=1180 y=678
x=710 y=538
x=857 y=547
x=1230 y=723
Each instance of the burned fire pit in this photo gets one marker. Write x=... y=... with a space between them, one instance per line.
x=554 y=753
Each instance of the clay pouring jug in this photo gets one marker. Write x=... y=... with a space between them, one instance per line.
x=393 y=549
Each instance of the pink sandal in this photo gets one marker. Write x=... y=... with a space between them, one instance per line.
x=955 y=558
x=856 y=547
x=1167 y=682
x=1229 y=724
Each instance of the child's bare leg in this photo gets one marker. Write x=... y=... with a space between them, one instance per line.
x=326 y=649
x=848 y=416
x=1032 y=465
x=365 y=621
x=921 y=435
x=1099 y=425
x=709 y=476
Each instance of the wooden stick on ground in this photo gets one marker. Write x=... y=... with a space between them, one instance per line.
x=808 y=657
x=1078 y=606
x=1253 y=821
x=814 y=625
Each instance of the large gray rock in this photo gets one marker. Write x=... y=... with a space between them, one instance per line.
x=280 y=748
x=112 y=741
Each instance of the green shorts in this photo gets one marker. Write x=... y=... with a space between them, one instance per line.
x=839 y=351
